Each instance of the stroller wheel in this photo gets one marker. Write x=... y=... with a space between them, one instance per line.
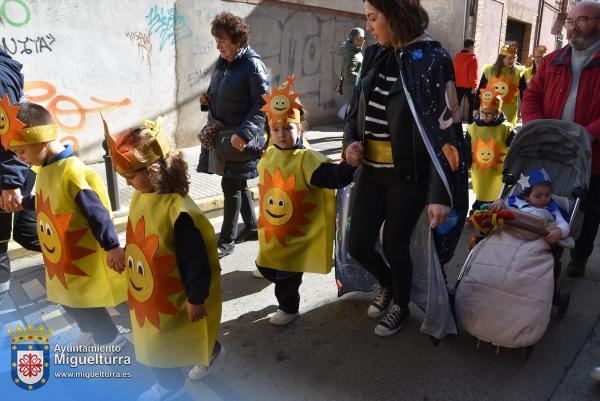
x=563 y=305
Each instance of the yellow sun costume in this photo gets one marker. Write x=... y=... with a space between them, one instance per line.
x=507 y=84
x=163 y=335
x=297 y=220
x=488 y=150
x=76 y=271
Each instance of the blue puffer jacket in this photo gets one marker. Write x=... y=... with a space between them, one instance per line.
x=235 y=99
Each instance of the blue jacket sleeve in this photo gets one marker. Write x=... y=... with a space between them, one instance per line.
x=12 y=171
x=254 y=122
x=192 y=259
x=98 y=218
x=28 y=202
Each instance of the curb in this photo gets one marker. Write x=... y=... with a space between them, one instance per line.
x=206 y=205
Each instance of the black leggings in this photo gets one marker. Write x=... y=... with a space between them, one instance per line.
x=237 y=197
x=96 y=321
x=381 y=197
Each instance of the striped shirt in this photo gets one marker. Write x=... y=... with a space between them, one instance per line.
x=377 y=135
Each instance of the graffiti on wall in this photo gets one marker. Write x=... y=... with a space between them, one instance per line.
x=144 y=45
x=169 y=26
x=306 y=45
x=14 y=13
x=68 y=113
x=201 y=76
x=28 y=45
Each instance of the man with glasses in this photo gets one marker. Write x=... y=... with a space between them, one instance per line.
x=566 y=87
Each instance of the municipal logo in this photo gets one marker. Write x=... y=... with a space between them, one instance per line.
x=30 y=356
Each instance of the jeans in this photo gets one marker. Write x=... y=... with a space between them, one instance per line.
x=237 y=198
x=584 y=246
x=462 y=92
x=286 y=288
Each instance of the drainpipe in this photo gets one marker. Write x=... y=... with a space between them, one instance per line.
x=538 y=23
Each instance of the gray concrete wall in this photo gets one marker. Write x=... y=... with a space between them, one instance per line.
x=81 y=58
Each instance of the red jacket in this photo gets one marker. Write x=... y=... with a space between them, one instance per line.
x=465 y=69
x=549 y=88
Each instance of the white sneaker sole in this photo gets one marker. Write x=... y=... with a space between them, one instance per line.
x=282 y=323
x=210 y=367
x=596 y=374
x=375 y=315
x=384 y=332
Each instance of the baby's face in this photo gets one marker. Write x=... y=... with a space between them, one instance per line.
x=540 y=195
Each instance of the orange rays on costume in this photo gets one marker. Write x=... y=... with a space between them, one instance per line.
x=9 y=123
x=60 y=256
x=296 y=211
x=487 y=155
x=163 y=284
x=281 y=102
x=505 y=88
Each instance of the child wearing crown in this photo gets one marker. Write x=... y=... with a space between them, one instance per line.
x=74 y=225
x=508 y=78
x=171 y=262
x=297 y=202
x=489 y=136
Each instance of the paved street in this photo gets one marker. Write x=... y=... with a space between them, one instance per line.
x=331 y=354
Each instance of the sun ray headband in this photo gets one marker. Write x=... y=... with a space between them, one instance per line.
x=281 y=103
x=127 y=158
x=490 y=99
x=13 y=131
x=509 y=50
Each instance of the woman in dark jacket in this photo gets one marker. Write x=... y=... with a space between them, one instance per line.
x=234 y=99
x=413 y=151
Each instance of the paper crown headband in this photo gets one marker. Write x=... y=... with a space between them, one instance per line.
x=534 y=177
x=509 y=50
x=127 y=158
x=281 y=103
x=490 y=99
x=13 y=131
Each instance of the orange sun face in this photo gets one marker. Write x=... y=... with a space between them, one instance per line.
x=487 y=155
x=504 y=87
x=148 y=279
x=9 y=124
x=59 y=246
x=281 y=207
x=281 y=102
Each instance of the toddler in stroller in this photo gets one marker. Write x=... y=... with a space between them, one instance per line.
x=509 y=282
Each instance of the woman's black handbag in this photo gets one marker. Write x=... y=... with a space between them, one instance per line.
x=225 y=150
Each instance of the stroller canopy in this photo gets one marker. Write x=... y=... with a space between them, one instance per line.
x=562 y=148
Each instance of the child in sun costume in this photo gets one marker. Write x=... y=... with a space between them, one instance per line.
x=171 y=261
x=74 y=225
x=509 y=82
x=489 y=135
x=297 y=203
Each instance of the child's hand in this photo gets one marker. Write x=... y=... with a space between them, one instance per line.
x=497 y=205
x=195 y=312
x=554 y=236
x=116 y=259
x=354 y=154
x=11 y=200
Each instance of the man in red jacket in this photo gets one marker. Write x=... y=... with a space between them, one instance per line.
x=566 y=87
x=465 y=69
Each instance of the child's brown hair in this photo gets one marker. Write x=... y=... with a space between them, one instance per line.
x=166 y=175
x=34 y=115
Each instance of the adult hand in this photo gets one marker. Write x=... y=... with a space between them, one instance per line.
x=238 y=142
x=354 y=154
x=438 y=214
x=475 y=113
x=474 y=91
x=204 y=99
x=11 y=199
x=195 y=312
x=115 y=258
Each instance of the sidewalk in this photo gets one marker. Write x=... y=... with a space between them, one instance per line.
x=205 y=189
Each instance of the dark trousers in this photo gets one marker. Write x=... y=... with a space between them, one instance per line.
x=96 y=321
x=462 y=92
x=237 y=197
x=22 y=226
x=584 y=246
x=380 y=197
x=169 y=378
x=286 y=288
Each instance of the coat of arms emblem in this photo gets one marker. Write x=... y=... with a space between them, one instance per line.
x=30 y=356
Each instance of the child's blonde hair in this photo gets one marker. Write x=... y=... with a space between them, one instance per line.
x=166 y=175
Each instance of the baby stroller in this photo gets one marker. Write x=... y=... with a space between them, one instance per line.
x=509 y=282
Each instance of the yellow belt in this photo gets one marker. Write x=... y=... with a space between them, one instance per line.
x=378 y=151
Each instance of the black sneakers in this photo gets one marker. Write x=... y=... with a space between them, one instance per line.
x=393 y=321
x=247 y=234
x=225 y=248
x=380 y=303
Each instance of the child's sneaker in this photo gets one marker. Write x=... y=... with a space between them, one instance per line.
x=596 y=373
x=281 y=318
x=380 y=303
x=159 y=393
x=199 y=371
x=256 y=273
x=392 y=321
